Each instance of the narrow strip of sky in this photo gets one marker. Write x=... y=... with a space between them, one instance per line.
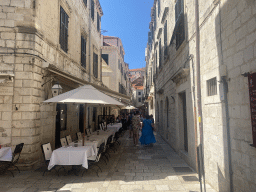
x=128 y=20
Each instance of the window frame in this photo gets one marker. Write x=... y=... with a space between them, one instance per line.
x=83 y=52
x=63 y=33
x=92 y=10
x=105 y=59
x=211 y=85
x=95 y=65
x=85 y=2
x=179 y=23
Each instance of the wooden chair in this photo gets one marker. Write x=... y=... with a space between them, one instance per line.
x=79 y=136
x=63 y=142
x=69 y=140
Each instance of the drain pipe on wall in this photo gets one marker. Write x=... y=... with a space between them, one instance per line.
x=224 y=82
x=90 y=30
x=199 y=103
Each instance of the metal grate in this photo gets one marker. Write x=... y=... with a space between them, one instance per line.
x=212 y=87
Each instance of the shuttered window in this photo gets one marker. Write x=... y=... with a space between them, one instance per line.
x=98 y=22
x=159 y=7
x=63 y=30
x=83 y=52
x=165 y=39
x=179 y=18
x=92 y=9
x=95 y=65
x=160 y=55
x=85 y=2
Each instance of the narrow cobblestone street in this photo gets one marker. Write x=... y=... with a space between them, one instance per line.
x=131 y=168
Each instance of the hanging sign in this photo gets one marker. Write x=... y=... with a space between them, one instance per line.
x=252 y=94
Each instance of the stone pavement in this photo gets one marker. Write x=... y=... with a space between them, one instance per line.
x=131 y=168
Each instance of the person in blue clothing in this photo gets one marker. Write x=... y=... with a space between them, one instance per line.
x=147 y=136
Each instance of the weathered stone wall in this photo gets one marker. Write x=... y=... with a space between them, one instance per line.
x=239 y=56
x=30 y=29
x=227 y=41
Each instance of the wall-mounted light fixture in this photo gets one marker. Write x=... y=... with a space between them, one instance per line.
x=56 y=89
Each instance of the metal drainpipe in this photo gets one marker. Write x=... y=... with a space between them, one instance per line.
x=225 y=90
x=90 y=28
x=198 y=86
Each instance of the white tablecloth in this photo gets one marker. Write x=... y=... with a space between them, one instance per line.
x=6 y=154
x=115 y=127
x=71 y=156
x=93 y=143
x=103 y=135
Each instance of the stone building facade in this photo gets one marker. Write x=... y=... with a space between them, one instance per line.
x=44 y=42
x=113 y=56
x=227 y=58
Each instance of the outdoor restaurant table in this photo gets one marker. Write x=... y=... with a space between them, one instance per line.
x=71 y=156
x=93 y=143
x=103 y=135
x=6 y=154
x=115 y=127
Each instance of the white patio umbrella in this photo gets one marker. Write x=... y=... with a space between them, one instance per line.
x=129 y=107
x=86 y=94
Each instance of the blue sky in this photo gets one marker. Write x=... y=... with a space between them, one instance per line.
x=128 y=20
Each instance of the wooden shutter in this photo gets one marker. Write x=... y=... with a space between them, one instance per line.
x=63 y=30
x=83 y=52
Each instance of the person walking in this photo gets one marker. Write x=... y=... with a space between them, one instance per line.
x=147 y=136
x=130 y=125
x=136 y=126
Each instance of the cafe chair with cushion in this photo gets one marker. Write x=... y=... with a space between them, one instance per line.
x=47 y=152
x=93 y=163
x=69 y=140
x=63 y=142
x=79 y=136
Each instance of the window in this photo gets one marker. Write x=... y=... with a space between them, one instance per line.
x=165 y=39
x=160 y=55
x=179 y=26
x=85 y=2
x=159 y=7
x=83 y=52
x=98 y=22
x=63 y=30
x=156 y=63
x=139 y=93
x=92 y=9
x=95 y=65
x=105 y=57
x=212 y=87
x=139 y=100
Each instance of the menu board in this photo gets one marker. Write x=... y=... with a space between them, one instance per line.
x=252 y=93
